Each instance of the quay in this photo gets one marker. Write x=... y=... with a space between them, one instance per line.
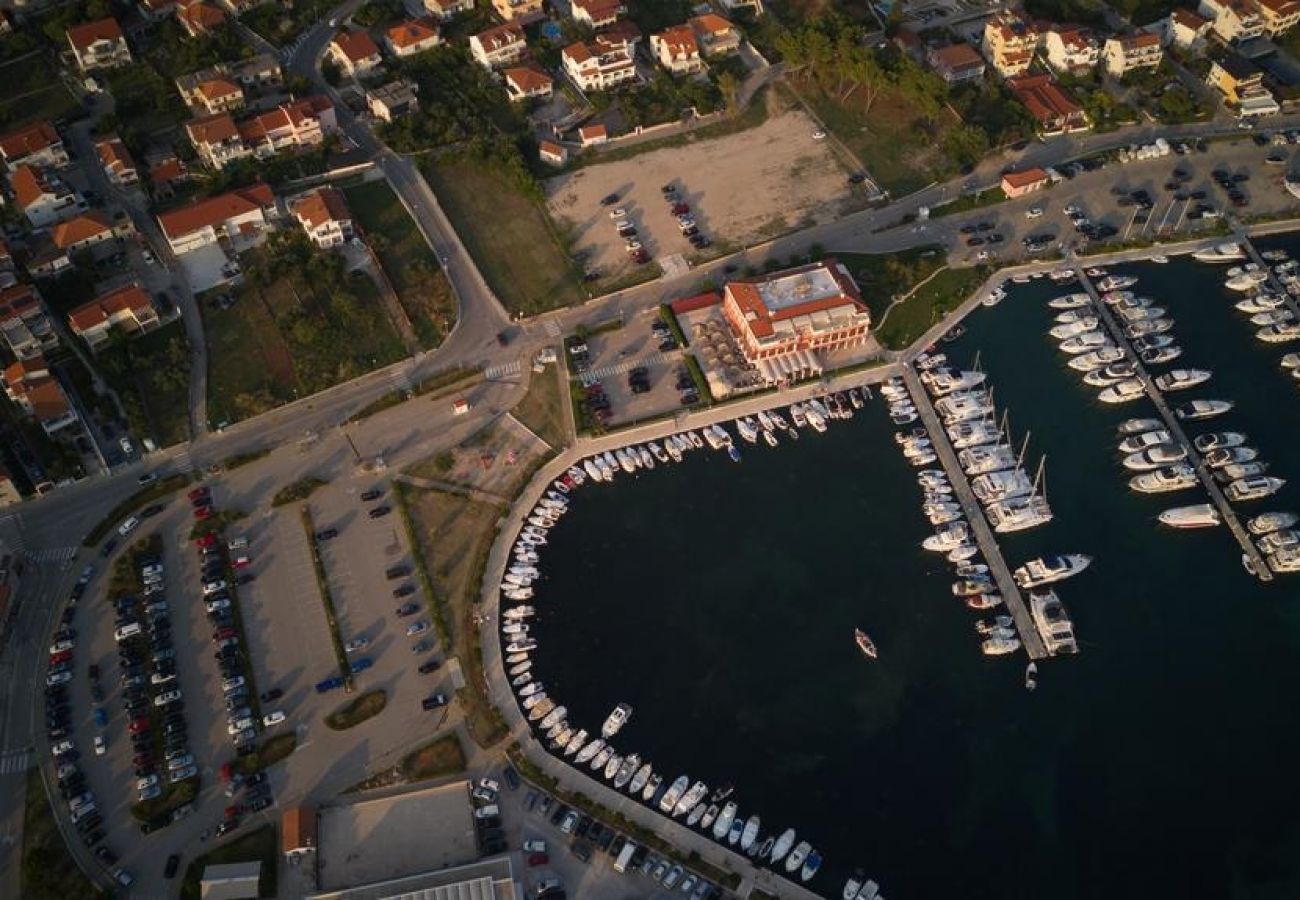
x=1175 y=428
x=1030 y=639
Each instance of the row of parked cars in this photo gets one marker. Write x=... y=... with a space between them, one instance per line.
x=685 y=222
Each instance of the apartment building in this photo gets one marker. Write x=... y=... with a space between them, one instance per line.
x=24 y=324
x=129 y=309
x=1132 y=52
x=199 y=18
x=34 y=144
x=1009 y=44
x=99 y=45
x=677 y=51
x=241 y=212
x=501 y=45
x=1233 y=21
x=521 y=11
x=324 y=216
x=598 y=65
x=1071 y=50
x=31 y=387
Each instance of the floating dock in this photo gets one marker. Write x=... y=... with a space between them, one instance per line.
x=1030 y=639
x=1174 y=425
x=1273 y=281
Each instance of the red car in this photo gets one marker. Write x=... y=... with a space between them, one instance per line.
x=538 y=859
x=198 y=493
x=61 y=657
x=224 y=771
x=138 y=725
x=681 y=209
x=208 y=540
x=202 y=512
x=222 y=634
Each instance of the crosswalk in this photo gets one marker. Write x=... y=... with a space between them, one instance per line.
x=15 y=761
x=505 y=370
x=182 y=460
x=593 y=375
x=53 y=554
x=400 y=379
x=552 y=328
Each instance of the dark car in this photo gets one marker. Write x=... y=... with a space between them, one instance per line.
x=272 y=694
x=150 y=511
x=380 y=511
x=259 y=804
x=327 y=534
x=329 y=684
x=405 y=590
x=173 y=863
x=609 y=200
x=435 y=701
x=430 y=666
x=408 y=609
x=397 y=572
x=372 y=494
x=502 y=338
x=106 y=856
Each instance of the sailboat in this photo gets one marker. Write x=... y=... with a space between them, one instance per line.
x=865 y=644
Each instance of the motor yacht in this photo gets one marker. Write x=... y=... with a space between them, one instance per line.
x=1071 y=316
x=1049 y=569
x=1136 y=443
x=1279 y=334
x=1278 y=540
x=1198 y=515
x=674 y=793
x=710 y=816
x=1116 y=283
x=1202 y=409
x=539 y=709
x=722 y=825
x=795 y=860
x=984 y=459
x=1233 y=471
x=616 y=720
x=1148 y=328
x=1152 y=342
x=1254 y=488
x=1085 y=342
x=1259 y=303
x=690 y=799
x=1225 y=456
x=1164 y=479
x=1070 y=329
x=1220 y=253
x=1115 y=298
x=1182 y=379
x=602 y=759
x=1291 y=362
x=652 y=787
x=1156 y=356
x=1125 y=391
x=1218 y=440
x=1273 y=317
x=972 y=434
x=626 y=770
x=1053 y=622
x=576 y=743
x=639 y=779
x=947 y=537
x=747 y=430
x=612 y=766
x=1005 y=485
x=1271 y=521
x=963 y=407
x=1154 y=457
x=984 y=601
x=1019 y=514
x=1143 y=312
x=1283 y=561
x=1097 y=359
x=810 y=866
x=1070 y=301
x=996 y=625
x=946 y=380
x=999 y=645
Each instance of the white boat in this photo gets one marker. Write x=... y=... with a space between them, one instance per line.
x=798 y=416
x=1049 y=569
x=1202 y=409
x=1125 y=391
x=1226 y=456
x=524 y=679
x=695 y=815
x=1279 y=334
x=747 y=430
x=626 y=770
x=1136 y=443
x=690 y=799
x=657 y=451
x=1070 y=301
x=946 y=538
x=750 y=834
x=994 y=486
x=1232 y=471
x=1070 y=329
x=521 y=646
x=1156 y=356
x=673 y=447
x=999 y=645
x=1154 y=457
x=797 y=856
x=1085 y=342
x=1074 y=315
x=1246 y=281
x=674 y=793
x=1291 y=362
x=602 y=759
x=1096 y=360
x=1259 y=303
x=1152 y=342
x=971 y=434
x=723 y=823
x=981 y=460
x=1218 y=440
x=1164 y=479
x=640 y=779
x=647 y=459
x=1220 y=253
x=1181 y=379
x=1273 y=317
x=553 y=716
x=947 y=379
x=1198 y=515
x=616 y=720
x=710 y=816
x=1278 y=540
x=1116 y=282
x=1283 y=561
x=1052 y=622
x=962 y=552
x=1148 y=328
x=1019 y=514
x=782 y=846
x=1271 y=521
x=651 y=787
x=576 y=743
x=1255 y=488
x=612 y=766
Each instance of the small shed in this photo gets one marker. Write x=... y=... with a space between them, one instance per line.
x=1017 y=184
x=231 y=881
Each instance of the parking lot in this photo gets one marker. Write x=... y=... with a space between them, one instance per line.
x=740 y=189
x=632 y=373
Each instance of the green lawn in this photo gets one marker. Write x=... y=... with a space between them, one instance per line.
x=882 y=276
x=281 y=23
x=48 y=871
x=151 y=373
x=945 y=292
x=256 y=846
x=509 y=236
x=33 y=91
x=542 y=408
x=408 y=262
x=306 y=330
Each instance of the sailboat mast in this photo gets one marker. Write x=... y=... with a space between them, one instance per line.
x=1020 y=460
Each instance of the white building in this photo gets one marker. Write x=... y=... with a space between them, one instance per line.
x=242 y=212
x=324 y=215
x=598 y=66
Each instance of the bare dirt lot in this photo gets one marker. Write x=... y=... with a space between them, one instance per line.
x=741 y=189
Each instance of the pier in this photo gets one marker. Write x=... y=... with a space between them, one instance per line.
x=1273 y=282
x=1174 y=426
x=1030 y=639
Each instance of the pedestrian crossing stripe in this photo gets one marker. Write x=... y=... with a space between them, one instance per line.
x=593 y=375
x=183 y=461
x=505 y=370
x=14 y=761
x=552 y=328
x=53 y=554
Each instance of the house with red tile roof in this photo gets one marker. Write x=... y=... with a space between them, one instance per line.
x=324 y=215
x=199 y=18
x=552 y=153
x=597 y=65
x=1017 y=184
x=1278 y=16
x=129 y=308
x=956 y=63
x=527 y=82
x=157 y=10
x=34 y=144
x=1055 y=111
x=1131 y=52
x=715 y=35
x=30 y=386
x=498 y=46
x=677 y=51
x=1009 y=44
x=411 y=37
x=521 y=11
x=784 y=320
x=99 y=45
x=292 y=125
x=165 y=173
x=217 y=141
x=355 y=52
x=592 y=135
x=42 y=195
x=241 y=212
x=87 y=231
x=116 y=161
x=442 y=10
x=211 y=95
x=24 y=324
x=1185 y=30
x=597 y=13
x=1071 y=50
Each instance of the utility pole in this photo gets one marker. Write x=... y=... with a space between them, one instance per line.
x=355 y=451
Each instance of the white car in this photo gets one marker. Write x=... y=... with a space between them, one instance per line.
x=61 y=748
x=211 y=587
x=58 y=678
x=158 y=678
x=275 y=717
x=242 y=725
x=130 y=629
x=100 y=747
x=819 y=135
x=155 y=569
x=232 y=684
x=146 y=782
x=167 y=697
x=215 y=605
x=181 y=762
x=489 y=785
x=618 y=213
x=60 y=646
x=1033 y=212
x=126 y=445
x=128 y=526
x=147 y=256
x=356 y=644
x=534 y=846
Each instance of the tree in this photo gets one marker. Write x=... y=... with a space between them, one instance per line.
x=729 y=87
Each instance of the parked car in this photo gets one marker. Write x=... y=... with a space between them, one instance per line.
x=434 y=702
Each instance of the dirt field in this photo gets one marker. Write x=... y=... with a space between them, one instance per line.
x=742 y=188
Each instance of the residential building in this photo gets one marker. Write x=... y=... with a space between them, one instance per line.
x=324 y=215
x=442 y=10
x=87 y=231
x=956 y=63
x=24 y=325
x=34 y=144
x=1233 y=21
x=1241 y=83
x=597 y=13
x=1017 y=184
x=1053 y=109
x=129 y=308
x=1185 y=30
x=1278 y=16
x=199 y=18
x=521 y=11
x=552 y=153
x=622 y=34
x=230 y=881
x=754 y=7
x=259 y=70
x=783 y=320
x=292 y=125
x=527 y=82
x=354 y=52
x=598 y=65
x=157 y=10
x=592 y=135
x=99 y=45
x=30 y=386
x=42 y=195
x=397 y=98
x=212 y=95
x=1071 y=50
x=116 y=162
x=715 y=35
x=501 y=45
x=677 y=51
x=242 y=212
x=217 y=141
x=166 y=172
x=411 y=37
x=1009 y=44
x=237 y=7
x=298 y=834
x=1132 y=52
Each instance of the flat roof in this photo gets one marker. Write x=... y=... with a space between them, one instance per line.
x=489 y=879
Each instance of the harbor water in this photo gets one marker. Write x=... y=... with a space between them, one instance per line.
x=719 y=600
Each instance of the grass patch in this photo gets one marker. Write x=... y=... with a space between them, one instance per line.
x=151 y=374
x=886 y=276
x=435 y=759
x=33 y=90
x=358 y=710
x=271 y=752
x=298 y=490
x=281 y=23
x=326 y=598
x=910 y=319
x=156 y=491
x=298 y=326
x=669 y=318
x=256 y=846
x=438 y=382
x=48 y=871
x=451 y=536
x=172 y=796
x=542 y=409
x=408 y=263
x=968 y=202
x=239 y=460
x=510 y=237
